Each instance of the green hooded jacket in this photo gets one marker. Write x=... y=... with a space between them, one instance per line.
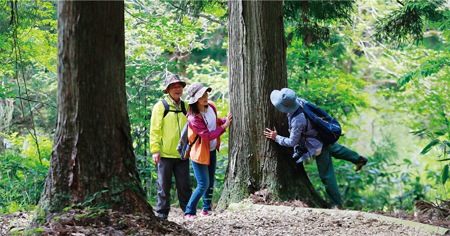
x=165 y=132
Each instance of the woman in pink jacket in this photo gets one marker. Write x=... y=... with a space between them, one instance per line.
x=204 y=123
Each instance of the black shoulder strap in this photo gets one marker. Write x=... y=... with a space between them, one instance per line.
x=195 y=140
x=183 y=107
x=297 y=112
x=166 y=107
x=301 y=109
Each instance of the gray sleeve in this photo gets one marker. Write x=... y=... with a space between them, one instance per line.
x=297 y=126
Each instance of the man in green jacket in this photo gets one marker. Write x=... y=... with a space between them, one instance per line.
x=165 y=131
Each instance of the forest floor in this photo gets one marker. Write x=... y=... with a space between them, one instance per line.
x=259 y=221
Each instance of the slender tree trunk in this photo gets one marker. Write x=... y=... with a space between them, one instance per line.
x=92 y=159
x=257 y=65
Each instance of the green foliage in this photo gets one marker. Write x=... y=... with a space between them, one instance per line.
x=160 y=41
x=394 y=176
x=333 y=58
x=213 y=74
x=429 y=146
x=313 y=19
x=28 y=59
x=325 y=10
x=334 y=74
x=445 y=174
x=22 y=174
x=426 y=69
x=147 y=172
x=410 y=20
x=206 y=9
x=315 y=74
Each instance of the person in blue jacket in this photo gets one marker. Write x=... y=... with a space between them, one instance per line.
x=301 y=131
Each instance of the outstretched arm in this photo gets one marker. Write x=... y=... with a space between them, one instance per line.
x=271 y=134
x=297 y=126
x=295 y=134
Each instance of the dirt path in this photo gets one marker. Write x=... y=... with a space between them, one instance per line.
x=256 y=221
x=289 y=222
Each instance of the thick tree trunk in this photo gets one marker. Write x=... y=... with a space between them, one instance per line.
x=92 y=159
x=257 y=65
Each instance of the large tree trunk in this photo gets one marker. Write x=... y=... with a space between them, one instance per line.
x=92 y=159
x=257 y=65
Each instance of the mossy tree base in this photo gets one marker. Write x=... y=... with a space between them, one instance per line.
x=257 y=66
x=92 y=162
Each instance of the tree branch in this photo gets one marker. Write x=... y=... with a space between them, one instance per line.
x=400 y=3
x=31 y=100
x=213 y=20
x=199 y=15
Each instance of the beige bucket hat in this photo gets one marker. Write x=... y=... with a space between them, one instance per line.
x=171 y=79
x=196 y=91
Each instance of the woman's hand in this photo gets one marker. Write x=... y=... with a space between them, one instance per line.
x=271 y=134
x=228 y=122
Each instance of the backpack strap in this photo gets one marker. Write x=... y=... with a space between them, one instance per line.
x=301 y=109
x=183 y=107
x=297 y=112
x=195 y=140
x=167 y=107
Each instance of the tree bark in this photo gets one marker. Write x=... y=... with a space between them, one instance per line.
x=92 y=161
x=257 y=66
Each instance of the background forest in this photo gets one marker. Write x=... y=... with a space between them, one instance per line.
x=388 y=90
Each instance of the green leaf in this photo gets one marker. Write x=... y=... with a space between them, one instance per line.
x=448 y=159
x=440 y=133
x=445 y=174
x=404 y=79
x=418 y=132
x=407 y=161
x=429 y=146
x=425 y=63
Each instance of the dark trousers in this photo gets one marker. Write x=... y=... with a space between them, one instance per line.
x=164 y=169
x=326 y=170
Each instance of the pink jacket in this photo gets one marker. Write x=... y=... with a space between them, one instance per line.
x=200 y=150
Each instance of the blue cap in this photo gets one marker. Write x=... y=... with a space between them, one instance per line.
x=285 y=100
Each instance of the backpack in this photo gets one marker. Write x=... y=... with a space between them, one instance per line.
x=328 y=128
x=184 y=147
x=167 y=108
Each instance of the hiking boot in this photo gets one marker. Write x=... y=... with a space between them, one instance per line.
x=188 y=216
x=361 y=163
x=162 y=216
x=336 y=207
x=204 y=213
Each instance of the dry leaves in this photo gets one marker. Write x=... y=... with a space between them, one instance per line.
x=262 y=221
x=93 y=222
x=288 y=222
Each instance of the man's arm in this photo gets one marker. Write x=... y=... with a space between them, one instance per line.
x=156 y=131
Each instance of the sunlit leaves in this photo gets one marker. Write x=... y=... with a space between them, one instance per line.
x=427 y=68
x=430 y=146
x=28 y=49
x=447 y=143
x=317 y=74
x=212 y=73
x=445 y=174
x=160 y=39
